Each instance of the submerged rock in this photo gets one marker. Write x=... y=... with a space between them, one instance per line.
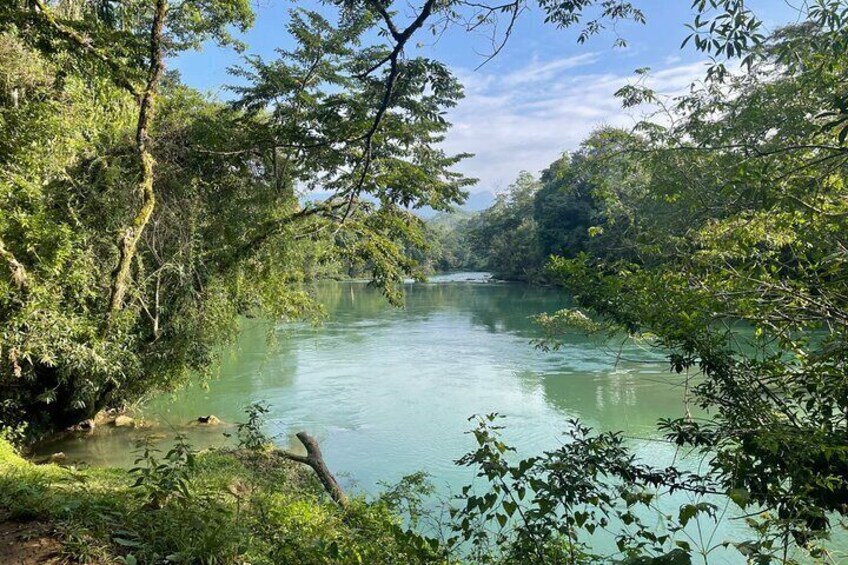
x=57 y=457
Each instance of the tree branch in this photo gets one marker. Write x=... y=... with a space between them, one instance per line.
x=315 y=459
x=401 y=38
x=380 y=9
x=275 y=226
x=70 y=34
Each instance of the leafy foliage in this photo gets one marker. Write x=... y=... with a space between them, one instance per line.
x=732 y=265
x=250 y=433
x=578 y=197
x=504 y=236
x=718 y=237
x=548 y=508
x=228 y=236
x=168 y=478
x=214 y=507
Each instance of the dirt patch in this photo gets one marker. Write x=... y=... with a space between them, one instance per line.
x=28 y=543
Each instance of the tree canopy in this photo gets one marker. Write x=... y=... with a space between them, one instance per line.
x=715 y=232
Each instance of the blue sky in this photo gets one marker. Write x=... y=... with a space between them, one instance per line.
x=539 y=97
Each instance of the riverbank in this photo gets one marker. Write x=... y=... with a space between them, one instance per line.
x=218 y=506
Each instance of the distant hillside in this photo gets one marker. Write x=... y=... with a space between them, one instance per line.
x=449 y=220
x=477 y=202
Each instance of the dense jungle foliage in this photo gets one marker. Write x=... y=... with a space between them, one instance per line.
x=140 y=219
x=559 y=214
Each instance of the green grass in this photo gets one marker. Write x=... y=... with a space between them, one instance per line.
x=236 y=507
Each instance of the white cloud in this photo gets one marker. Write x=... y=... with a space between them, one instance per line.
x=526 y=118
x=538 y=71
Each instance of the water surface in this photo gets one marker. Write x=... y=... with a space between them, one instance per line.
x=389 y=391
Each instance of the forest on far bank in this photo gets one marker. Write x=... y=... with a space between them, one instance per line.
x=533 y=219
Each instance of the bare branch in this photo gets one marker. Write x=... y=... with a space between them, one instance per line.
x=315 y=459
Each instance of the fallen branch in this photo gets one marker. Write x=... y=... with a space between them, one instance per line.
x=314 y=459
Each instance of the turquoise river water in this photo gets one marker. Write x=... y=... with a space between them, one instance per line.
x=389 y=391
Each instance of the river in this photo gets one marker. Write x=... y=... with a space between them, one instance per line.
x=389 y=391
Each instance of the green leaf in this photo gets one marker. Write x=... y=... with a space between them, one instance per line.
x=687 y=512
x=126 y=542
x=740 y=496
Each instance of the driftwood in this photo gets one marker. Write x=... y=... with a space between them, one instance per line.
x=315 y=460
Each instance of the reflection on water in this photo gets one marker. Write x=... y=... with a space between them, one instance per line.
x=388 y=391
x=377 y=383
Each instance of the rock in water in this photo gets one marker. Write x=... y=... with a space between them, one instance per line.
x=84 y=426
x=210 y=420
x=123 y=421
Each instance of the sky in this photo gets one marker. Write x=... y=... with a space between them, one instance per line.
x=538 y=98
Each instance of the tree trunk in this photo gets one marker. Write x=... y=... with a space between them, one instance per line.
x=129 y=239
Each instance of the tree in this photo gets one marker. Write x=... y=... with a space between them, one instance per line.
x=504 y=235
x=735 y=264
x=588 y=193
